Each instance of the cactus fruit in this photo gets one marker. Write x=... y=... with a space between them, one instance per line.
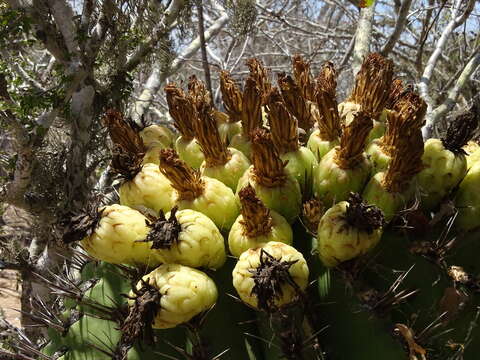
x=345 y=168
x=327 y=136
x=445 y=161
x=467 y=200
x=114 y=234
x=182 y=111
x=269 y=277
x=155 y=138
x=149 y=188
x=273 y=186
x=256 y=87
x=348 y=229
x=193 y=191
x=473 y=153
x=183 y=293
x=224 y=164
x=187 y=237
x=300 y=160
x=233 y=100
x=405 y=118
x=391 y=190
x=256 y=225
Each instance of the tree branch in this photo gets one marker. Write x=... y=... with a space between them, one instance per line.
x=363 y=37
x=451 y=100
x=457 y=18
x=399 y=26
x=157 y=78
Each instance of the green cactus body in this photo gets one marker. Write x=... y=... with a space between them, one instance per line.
x=333 y=184
x=338 y=241
x=285 y=199
x=149 y=188
x=217 y=202
x=300 y=165
x=443 y=171
x=228 y=130
x=318 y=146
x=467 y=200
x=190 y=152
x=238 y=241
x=242 y=143
x=115 y=239
x=390 y=203
x=185 y=292
x=199 y=242
x=378 y=158
x=230 y=173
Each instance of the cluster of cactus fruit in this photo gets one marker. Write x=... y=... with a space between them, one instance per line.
x=270 y=194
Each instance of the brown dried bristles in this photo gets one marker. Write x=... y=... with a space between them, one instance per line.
x=268 y=168
x=198 y=93
x=397 y=91
x=329 y=123
x=185 y=180
x=352 y=141
x=128 y=150
x=261 y=76
x=269 y=278
x=303 y=77
x=80 y=225
x=141 y=315
x=461 y=130
x=251 y=107
x=405 y=164
x=296 y=104
x=407 y=119
x=372 y=84
x=232 y=96
x=312 y=212
x=164 y=233
x=213 y=147
x=181 y=110
x=256 y=216
x=283 y=126
x=362 y=216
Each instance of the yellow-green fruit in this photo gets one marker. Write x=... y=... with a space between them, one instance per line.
x=249 y=263
x=318 y=146
x=443 y=171
x=230 y=173
x=338 y=241
x=285 y=199
x=377 y=131
x=242 y=143
x=378 y=158
x=473 y=158
x=115 y=239
x=333 y=184
x=228 y=130
x=190 y=152
x=300 y=165
x=238 y=241
x=217 y=202
x=149 y=188
x=155 y=138
x=199 y=243
x=184 y=293
x=467 y=200
x=390 y=203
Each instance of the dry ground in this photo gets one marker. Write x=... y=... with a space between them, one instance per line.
x=10 y=296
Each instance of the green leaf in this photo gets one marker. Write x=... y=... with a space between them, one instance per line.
x=366 y=3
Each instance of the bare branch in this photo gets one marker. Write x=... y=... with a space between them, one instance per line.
x=363 y=37
x=399 y=26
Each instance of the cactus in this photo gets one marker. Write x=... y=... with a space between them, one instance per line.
x=326 y=279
